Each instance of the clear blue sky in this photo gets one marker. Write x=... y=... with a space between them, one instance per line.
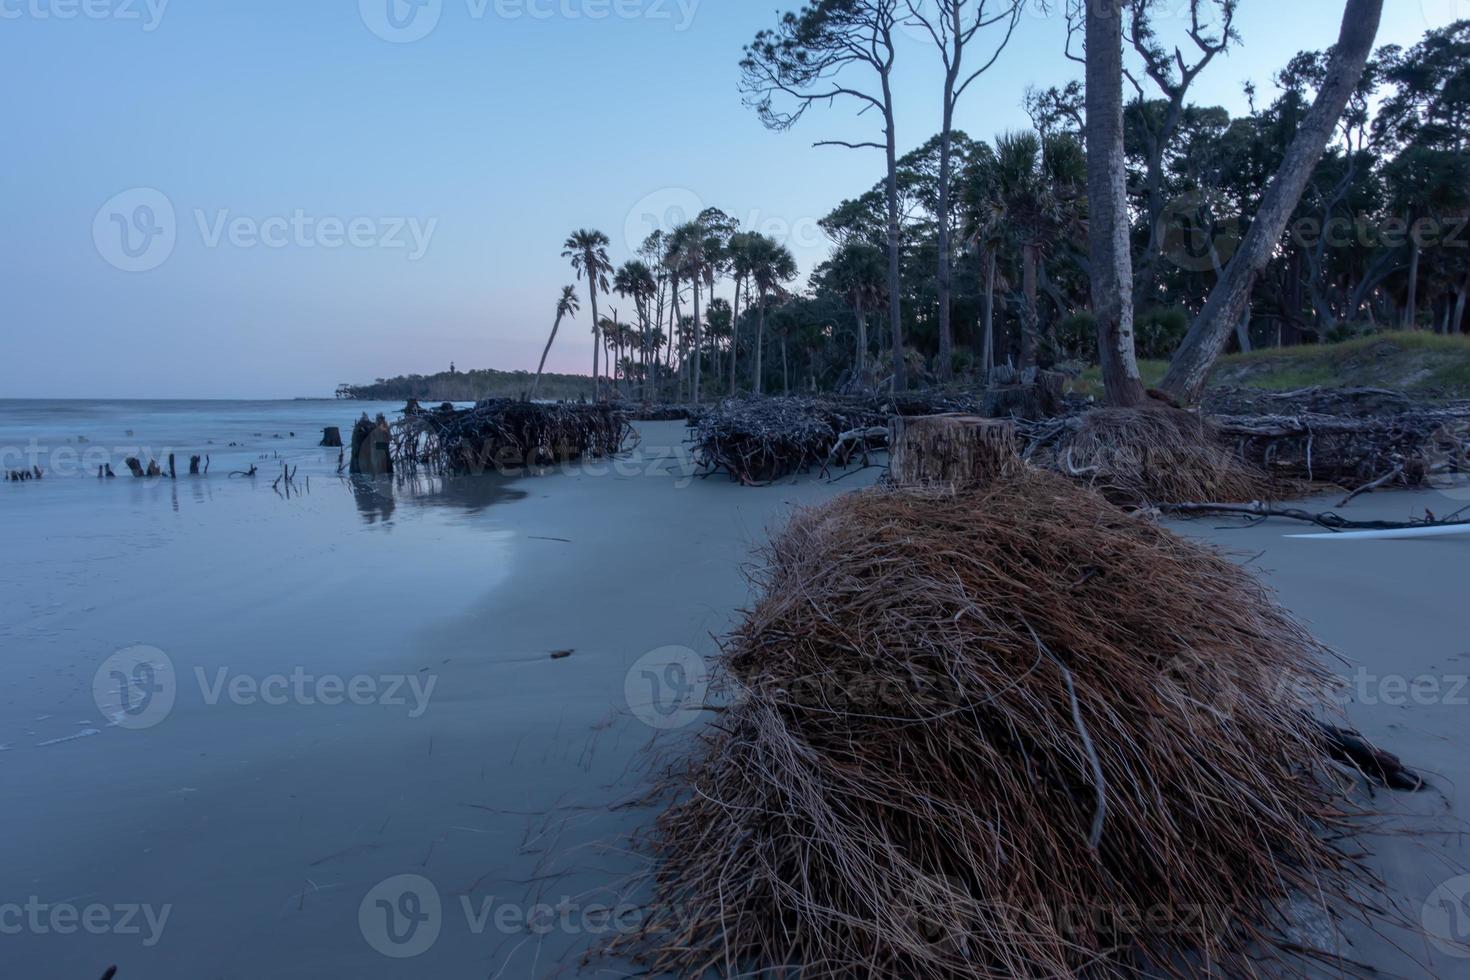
x=507 y=125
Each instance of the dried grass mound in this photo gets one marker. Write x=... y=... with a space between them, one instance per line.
x=1014 y=733
x=504 y=435
x=1157 y=454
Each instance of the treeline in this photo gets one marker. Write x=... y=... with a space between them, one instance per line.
x=470 y=386
x=987 y=241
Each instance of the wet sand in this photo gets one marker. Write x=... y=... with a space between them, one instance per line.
x=491 y=771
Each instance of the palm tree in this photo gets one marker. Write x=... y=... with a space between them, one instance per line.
x=565 y=307
x=771 y=264
x=739 y=252
x=634 y=280
x=588 y=251
x=691 y=250
x=1035 y=186
x=858 y=271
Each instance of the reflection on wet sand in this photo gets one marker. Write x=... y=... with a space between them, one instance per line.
x=377 y=497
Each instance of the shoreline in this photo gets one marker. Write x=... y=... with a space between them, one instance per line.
x=265 y=827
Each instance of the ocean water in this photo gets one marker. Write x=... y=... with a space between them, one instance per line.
x=260 y=819
x=68 y=438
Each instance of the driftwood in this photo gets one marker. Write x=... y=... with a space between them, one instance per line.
x=1259 y=511
x=507 y=436
x=951 y=452
x=759 y=440
x=1354 y=450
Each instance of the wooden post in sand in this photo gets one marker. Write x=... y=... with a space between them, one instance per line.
x=955 y=452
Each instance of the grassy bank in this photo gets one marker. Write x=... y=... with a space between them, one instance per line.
x=1424 y=364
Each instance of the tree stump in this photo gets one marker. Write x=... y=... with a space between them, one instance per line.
x=136 y=465
x=952 y=452
x=371 y=447
x=332 y=437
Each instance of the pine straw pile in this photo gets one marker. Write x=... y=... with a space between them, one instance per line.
x=1161 y=455
x=942 y=702
x=505 y=435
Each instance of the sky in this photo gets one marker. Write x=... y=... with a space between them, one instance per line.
x=267 y=198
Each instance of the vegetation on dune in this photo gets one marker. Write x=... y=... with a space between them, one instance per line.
x=1336 y=211
x=472 y=386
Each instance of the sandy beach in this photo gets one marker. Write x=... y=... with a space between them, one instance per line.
x=443 y=682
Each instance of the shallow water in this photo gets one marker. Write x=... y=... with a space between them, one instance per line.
x=260 y=812
x=246 y=818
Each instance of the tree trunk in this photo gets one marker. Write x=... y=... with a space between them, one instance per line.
x=1411 y=304
x=596 y=339
x=760 y=340
x=862 y=343
x=1030 y=258
x=698 y=358
x=1190 y=371
x=734 y=335
x=946 y=153
x=1457 y=322
x=1243 y=331
x=1108 y=221
x=674 y=339
x=542 y=367
x=989 y=340
x=895 y=298
x=785 y=367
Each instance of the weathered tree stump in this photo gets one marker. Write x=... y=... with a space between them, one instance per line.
x=332 y=437
x=135 y=465
x=1031 y=395
x=371 y=444
x=951 y=451
x=193 y=465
